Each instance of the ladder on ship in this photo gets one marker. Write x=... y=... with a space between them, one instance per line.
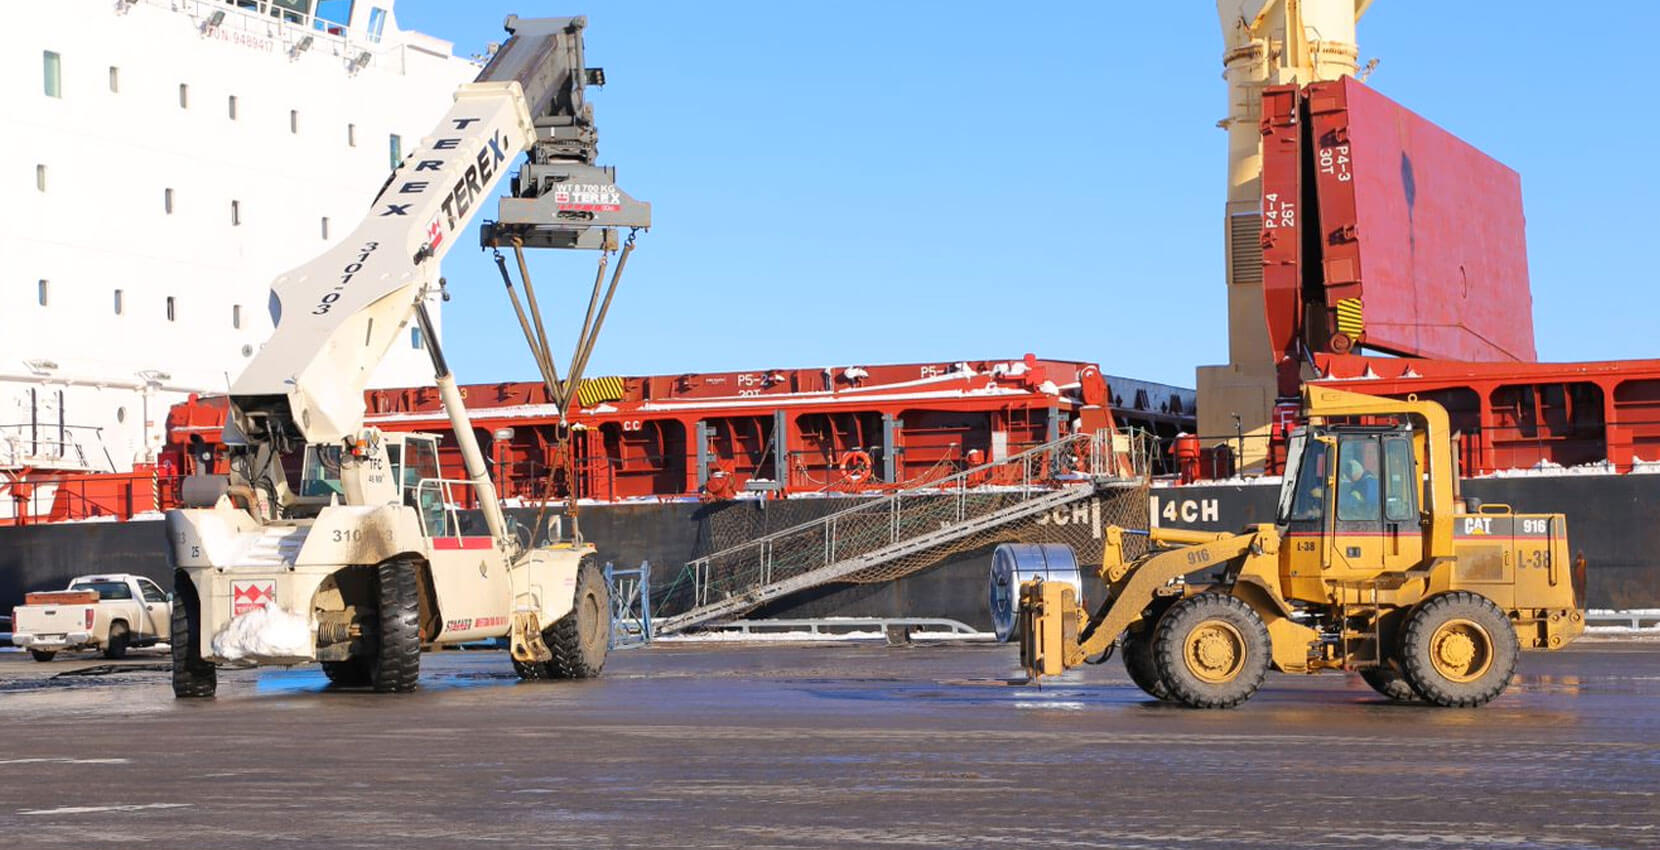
x=907 y=523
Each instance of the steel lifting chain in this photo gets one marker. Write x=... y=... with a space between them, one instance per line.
x=536 y=337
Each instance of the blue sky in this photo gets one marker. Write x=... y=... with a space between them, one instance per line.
x=852 y=183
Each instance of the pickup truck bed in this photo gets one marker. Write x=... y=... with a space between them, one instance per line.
x=108 y=612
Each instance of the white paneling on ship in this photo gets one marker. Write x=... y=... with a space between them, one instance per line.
x=163 y=161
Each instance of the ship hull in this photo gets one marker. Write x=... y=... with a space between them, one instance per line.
x=1610 y=523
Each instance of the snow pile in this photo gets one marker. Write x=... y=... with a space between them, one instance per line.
x=264 y=632
x=1049 y=388
x=1644 y=467
x=854 y=373
x=1548 y=468
x=1636 y=622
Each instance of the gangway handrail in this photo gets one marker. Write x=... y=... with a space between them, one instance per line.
x=938 y=487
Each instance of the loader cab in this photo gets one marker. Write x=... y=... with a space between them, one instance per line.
x=1349 y=504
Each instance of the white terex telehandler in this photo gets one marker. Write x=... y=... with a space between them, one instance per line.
x=337 y=543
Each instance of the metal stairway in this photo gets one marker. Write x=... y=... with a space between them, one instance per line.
x=903 y=523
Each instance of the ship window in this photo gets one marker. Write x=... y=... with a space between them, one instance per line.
x=118 y=302
x=236 y=213
x=40 y=177
x=351 y=135
x=167 y=200
x=53 y=68
x=293 y=120
x=230 y=105
x=184 y=96
x=377 y=23
x=115 y=79
x=172 y=311
x=414 y=334
x=337 y=12
x=41 y=293
x=395 y=148
x=236 y=316
x=292 y=11
x=325 y=227
x=121 y=414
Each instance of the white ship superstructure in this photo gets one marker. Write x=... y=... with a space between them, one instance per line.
x=163 y=161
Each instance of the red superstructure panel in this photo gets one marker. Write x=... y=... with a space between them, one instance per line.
x=1422 y=234
x=1282 y=241
x=715 y=435
x=1519 y=415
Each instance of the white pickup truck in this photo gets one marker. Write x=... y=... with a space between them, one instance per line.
x=108 y=612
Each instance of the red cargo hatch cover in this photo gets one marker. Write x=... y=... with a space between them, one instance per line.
x=1423 y=243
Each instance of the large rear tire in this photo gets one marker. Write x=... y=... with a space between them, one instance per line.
x=1391 y=684
x=115 y=646
x=581 y=638
x=1459 y=650
x=1137 y=647
x=43 y=655
x=1212 y=651
x=193 y=678
x=395 y=664
x=351 y=673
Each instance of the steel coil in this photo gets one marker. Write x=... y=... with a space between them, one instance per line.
x=1013 y=564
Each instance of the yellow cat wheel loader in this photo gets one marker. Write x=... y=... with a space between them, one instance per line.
x=1371 y=566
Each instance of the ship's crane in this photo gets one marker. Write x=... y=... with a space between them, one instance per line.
x=365 y=556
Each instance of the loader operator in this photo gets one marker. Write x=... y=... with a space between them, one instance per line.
x=1359 y=490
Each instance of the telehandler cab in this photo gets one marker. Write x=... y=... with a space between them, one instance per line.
x=1370 y=566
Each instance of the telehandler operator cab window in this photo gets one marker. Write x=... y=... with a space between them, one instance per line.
x=420 y=463
x=320 y=473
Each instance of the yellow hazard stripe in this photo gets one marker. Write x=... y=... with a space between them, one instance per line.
x=1350 y=318
x=596 y=390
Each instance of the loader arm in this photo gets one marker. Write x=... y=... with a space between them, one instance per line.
x=1047 y=648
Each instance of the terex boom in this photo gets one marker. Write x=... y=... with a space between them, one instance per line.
x=336 y=543
x=1369 y=567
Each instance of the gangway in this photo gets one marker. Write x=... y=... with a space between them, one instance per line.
x=888 y=530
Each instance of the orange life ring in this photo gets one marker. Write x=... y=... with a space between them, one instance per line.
x=856 y=465
x=722 y=484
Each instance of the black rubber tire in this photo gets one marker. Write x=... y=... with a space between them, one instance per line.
x=533 y=670
x=1170 y=640
x=351 y=673
x=394 y=665
x=1137 y=646
x=116 y=645
x=43 y=655
x=1386 y=681
x=1417 y=645
x=193 y=678
x=581 y=638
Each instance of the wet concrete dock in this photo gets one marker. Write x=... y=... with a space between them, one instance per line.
x=824 y=746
